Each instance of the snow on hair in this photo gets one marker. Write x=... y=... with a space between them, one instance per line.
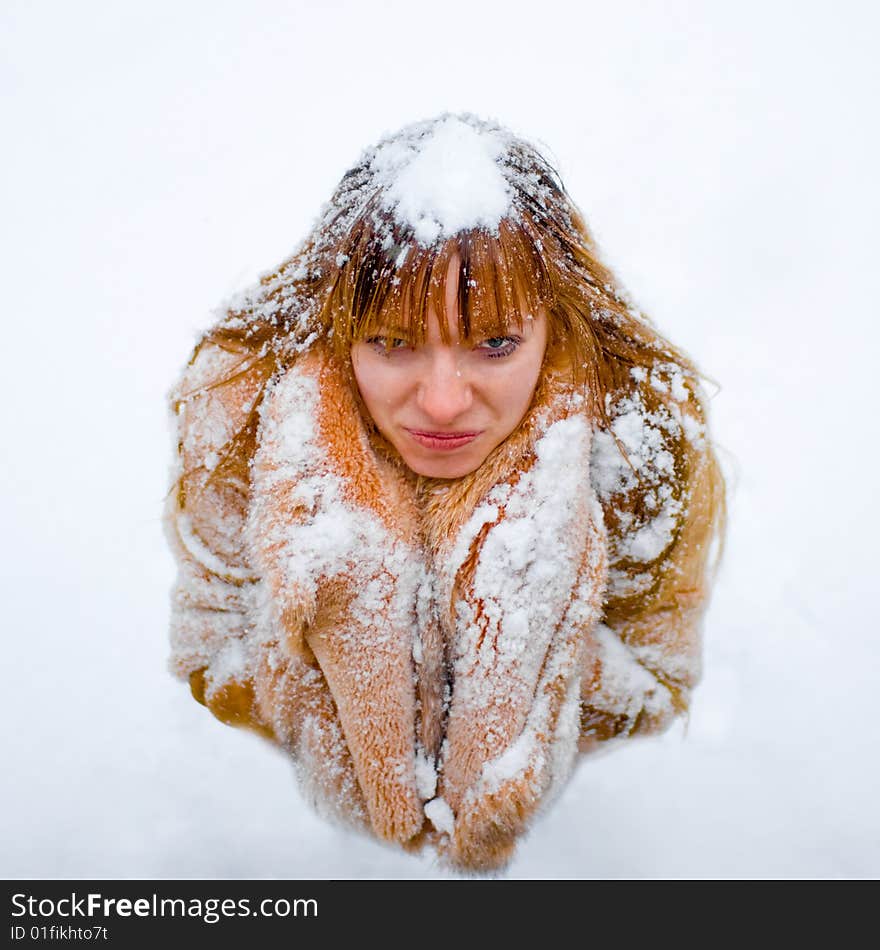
x=458 y=190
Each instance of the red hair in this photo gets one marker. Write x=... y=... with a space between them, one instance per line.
x=362 y=268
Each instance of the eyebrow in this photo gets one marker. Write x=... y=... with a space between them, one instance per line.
x=525 y=327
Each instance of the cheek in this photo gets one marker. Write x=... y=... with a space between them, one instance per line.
x=363 y=377
x=532 y=372
x=514 y=390
x=380 y=386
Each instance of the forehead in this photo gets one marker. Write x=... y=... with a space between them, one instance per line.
x=473 y=285
x=448 y=323
x=436 y=327
x=450 y=299
x=446 y=328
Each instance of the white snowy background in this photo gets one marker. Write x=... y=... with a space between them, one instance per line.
x=157 y=157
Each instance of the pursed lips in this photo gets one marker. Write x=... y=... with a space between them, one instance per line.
x=442 y=440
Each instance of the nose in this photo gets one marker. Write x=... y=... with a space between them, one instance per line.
x=444 y=392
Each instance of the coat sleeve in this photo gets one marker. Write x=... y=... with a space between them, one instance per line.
x=529 y=587
x=248 y=665
x=659 y=485
x=212 y=600
x=340 y=586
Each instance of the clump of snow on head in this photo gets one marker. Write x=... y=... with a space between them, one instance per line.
x=421 y=185
x=443 y=177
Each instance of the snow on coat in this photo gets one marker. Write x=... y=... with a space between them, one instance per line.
x=433 y=655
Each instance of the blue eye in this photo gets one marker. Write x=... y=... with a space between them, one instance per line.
x=499 y=346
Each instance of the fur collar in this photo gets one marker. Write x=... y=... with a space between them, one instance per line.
x=447 y=617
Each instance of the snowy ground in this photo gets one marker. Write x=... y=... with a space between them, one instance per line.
x=158 y=156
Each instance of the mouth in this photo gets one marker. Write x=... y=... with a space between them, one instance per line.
x=442 y=441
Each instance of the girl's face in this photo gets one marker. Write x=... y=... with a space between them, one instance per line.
x=445 y=406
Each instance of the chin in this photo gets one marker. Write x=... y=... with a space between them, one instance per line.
x=444 y=467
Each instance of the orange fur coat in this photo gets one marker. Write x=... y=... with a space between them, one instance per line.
x=433 y=655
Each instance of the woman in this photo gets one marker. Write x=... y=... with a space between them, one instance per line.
x=445 y=501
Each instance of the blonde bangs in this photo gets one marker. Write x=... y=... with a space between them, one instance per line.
x=500 y=281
